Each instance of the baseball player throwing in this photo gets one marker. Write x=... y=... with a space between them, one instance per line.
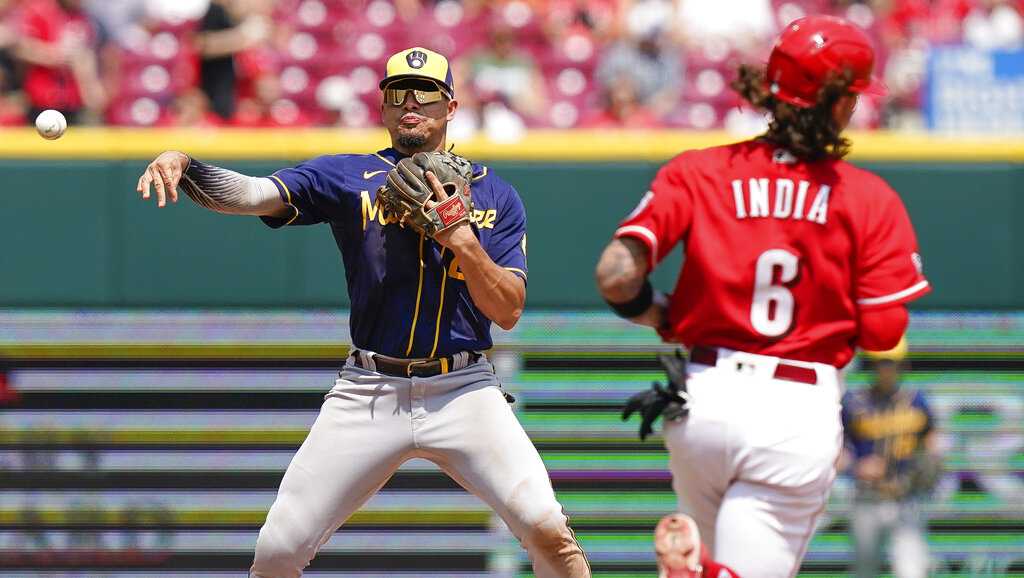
x=793 y=258
x=429 y=265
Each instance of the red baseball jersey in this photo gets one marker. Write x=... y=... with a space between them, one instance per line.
x=779 y=254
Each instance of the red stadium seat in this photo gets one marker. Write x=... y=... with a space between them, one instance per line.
x=311 y=15
x=574 y=49
x=349 y=40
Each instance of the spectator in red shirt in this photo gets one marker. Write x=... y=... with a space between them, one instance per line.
x=57 y=47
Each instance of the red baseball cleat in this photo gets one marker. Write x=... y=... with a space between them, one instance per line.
x=677 y=544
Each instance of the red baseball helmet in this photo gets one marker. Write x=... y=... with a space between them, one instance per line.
x=811 y=49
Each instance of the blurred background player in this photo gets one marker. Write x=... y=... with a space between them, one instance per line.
x=895 y=459
x=792 y=256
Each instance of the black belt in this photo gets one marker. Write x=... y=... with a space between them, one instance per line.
x=784 y=370
x=413 y=367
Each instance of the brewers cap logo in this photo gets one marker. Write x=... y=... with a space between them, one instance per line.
x=416 y=59
x=419 y=62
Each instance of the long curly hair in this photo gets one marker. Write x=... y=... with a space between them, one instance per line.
x=809 y=133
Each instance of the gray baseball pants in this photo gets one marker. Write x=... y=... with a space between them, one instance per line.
x=370 y=423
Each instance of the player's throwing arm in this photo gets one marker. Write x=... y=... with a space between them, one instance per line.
x=209 y=186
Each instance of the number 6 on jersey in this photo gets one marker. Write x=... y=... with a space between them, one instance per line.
x=771 y=312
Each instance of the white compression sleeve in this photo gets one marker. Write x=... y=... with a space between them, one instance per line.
x=226 y=191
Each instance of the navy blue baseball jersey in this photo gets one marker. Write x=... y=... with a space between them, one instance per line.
x=409 y=297
x=892 y=427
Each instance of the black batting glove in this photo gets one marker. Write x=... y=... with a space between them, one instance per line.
x=652 y=404
x=660 y=399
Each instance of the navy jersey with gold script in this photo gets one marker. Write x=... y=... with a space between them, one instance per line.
x=409 y=297
x=892 y=427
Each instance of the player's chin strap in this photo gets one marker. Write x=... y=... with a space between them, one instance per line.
x=672 y=401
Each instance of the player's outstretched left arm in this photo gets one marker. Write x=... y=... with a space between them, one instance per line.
x=211 y=187
x=499 y=293
x=622 y=281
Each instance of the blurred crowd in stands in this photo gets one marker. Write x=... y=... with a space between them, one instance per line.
x=518 y=64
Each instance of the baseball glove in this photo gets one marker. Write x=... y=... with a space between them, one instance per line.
x=925 y=473
x=408 y=194
x=671 y=400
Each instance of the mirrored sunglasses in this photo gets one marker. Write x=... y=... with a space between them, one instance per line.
x=396 y=96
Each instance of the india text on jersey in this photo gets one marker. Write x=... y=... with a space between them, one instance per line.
x=788 y=201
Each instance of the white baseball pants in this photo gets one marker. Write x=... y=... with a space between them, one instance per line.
x=754 y=460
x=371 y=423
x=901 y=521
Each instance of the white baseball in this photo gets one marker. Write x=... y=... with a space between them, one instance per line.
x=51 y=124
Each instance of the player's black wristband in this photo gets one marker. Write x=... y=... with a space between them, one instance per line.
x=637 y=305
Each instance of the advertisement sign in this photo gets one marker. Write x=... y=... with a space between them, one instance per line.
x=974 y=91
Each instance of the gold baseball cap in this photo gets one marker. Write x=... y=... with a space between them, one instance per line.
x=417 y=62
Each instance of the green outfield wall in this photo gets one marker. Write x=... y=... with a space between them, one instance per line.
x=75 y=233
